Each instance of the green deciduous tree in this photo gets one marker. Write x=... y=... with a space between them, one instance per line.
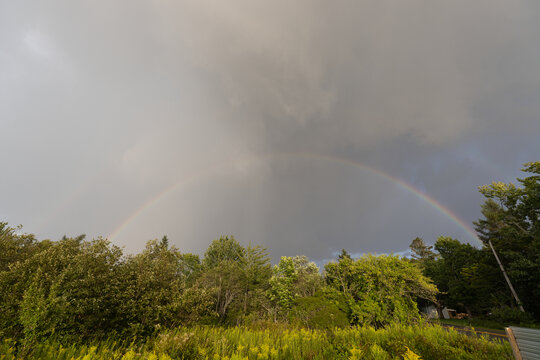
x=257 y=271
x=282 y=284
x=15 y=247
x=72 y=287
x=160 y=288
x=293 y=277
x=450 y=273
x=238 y=279
x=223 y=273
x=326 y=309
x=380 y=289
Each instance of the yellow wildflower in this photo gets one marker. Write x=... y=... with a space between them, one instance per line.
x=129 y=355
x=410 y=355
x=355 y=354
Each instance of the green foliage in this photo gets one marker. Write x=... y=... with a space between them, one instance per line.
x=78 y=289
x=468 y=278
x=223 y=263
x=34 y=308
x=508 y=315
x=238 y=279
x=178 y=344
x=86 y=295
x=393 y=342
x=73 y=283
x=160 y=289
x=454 y=273
x=282 y=283
x=308 y=276
x=223 y=250
x=326 y=309
x=511 y=222
x=421 y=252
x=257 y=272
x=380 y=289
x=15 y=247
x=293 y=277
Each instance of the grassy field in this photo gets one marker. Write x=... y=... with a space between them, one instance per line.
x=275 y=342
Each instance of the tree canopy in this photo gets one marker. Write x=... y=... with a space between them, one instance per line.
x=380 y=289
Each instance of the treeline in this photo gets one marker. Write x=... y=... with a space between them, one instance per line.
x=469 y=278
x=77 y=289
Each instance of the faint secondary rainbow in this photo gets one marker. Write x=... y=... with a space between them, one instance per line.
x=276 y=156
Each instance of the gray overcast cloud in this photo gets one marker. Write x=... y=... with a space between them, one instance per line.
x=257 y=111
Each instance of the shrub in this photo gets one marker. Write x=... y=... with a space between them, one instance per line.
x=508 y=315
x=380 y=290
x=319 y=311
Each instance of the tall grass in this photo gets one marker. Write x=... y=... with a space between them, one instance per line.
x=277 y=342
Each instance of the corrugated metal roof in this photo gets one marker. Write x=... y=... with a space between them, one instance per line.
x=528 y=342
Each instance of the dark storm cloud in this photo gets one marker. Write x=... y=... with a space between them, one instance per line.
x=103 y=105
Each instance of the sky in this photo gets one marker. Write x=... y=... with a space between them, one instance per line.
x=306 y=126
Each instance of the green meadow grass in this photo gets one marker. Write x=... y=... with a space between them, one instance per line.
x=423 y=341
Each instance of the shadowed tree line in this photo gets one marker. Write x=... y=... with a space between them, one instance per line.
x=469 y=278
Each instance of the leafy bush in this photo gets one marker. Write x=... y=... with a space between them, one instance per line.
x=380 y=290
x=324 y=310
x=508 y=315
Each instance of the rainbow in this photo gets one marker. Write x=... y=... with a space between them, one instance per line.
x=276 y=156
